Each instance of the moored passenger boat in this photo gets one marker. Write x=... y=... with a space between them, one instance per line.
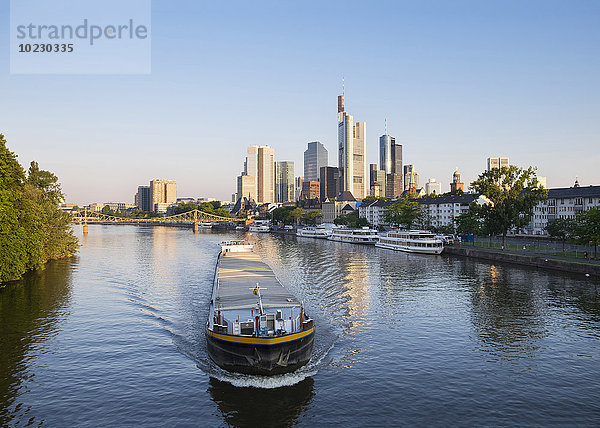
x=255 y=325
x=355 y=236
x=261 y=226
x=412 y=241
x=319 y=232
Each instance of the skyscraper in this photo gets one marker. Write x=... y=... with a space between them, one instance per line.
x=246 y=186
x=260 y=165
x=163 y=192
x=352 y=159
x=390 y=161
x=315 y=157
x=144 y=198
x=497 y=163
x=298 y=187
x=311 y=190
x=390 y=154
x=377 y=180
x=411 y=178
x=329 y=177
x=284 y=181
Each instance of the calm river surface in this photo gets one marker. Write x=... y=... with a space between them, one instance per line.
x=115 y=336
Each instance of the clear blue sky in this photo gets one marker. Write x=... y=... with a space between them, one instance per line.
x=458 y=81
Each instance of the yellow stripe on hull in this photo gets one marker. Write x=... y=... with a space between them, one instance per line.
x=261 y=340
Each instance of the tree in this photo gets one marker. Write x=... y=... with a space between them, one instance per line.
x=33 y=229
x=446 y=230
x=46 y=182
x=184 y=207
x=143 y=214
x=207 y=207
x=222 y=212
x=15 y=254
x=513 y=194
x=352 y=220
x=423 y=221
x=402 y=213
x=107 y=210
x=282 y=215
x=468 y=223
x=310 y=217
x=587 y=228
x=561 y=228
x=296 y=214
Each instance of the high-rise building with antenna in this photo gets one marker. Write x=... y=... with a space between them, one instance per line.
x=390 y=161
x=352 y=152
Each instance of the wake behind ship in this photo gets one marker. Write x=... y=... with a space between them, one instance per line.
x=255 y=325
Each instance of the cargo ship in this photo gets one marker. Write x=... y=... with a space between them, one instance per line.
x=255 y=325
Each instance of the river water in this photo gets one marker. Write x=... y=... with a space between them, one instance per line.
x=115 y=336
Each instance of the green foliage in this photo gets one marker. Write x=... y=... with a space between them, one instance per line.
x=403 y=213
x=107 y=210
x=468 y=223
x=184 y=207
x=423 y=221
x=296 y=214
x=222 y=212
x=448 y=229
x=561 y=228
x=282 y=215
x=587 y=228
x=143 y=214
x=33 y=229
x=351 y=220
x=513 y=193
x=311 y=217
x=456 y=192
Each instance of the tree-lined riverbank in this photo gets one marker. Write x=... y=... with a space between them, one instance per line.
x=33 y=230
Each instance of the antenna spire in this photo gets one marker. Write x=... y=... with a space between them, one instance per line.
x=343 y=86
x=386 y=126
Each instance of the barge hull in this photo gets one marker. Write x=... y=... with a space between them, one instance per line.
x=260 y=359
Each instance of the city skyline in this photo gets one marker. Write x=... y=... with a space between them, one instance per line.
x=461 y=82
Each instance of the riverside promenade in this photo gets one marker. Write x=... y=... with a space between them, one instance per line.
x=529 y=257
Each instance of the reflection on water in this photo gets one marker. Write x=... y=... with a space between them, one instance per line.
x=244 y=406
x=115 y=337
x=30 y=314
x=508 y=312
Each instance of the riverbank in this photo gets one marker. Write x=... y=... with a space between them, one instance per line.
x=564 y=264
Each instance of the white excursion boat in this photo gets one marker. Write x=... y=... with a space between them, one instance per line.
x=355 y=236
x=412 y=241
x=204 y=225
x=260 y=226
x=319 y=232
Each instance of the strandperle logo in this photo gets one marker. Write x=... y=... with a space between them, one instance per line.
x=85 y=31
x=80 y=36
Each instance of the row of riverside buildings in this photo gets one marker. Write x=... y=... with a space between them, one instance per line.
x=563 y=202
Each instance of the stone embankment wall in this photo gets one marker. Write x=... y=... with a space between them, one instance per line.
x=528 y=260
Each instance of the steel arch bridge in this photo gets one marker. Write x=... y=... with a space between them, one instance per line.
x=86 y=217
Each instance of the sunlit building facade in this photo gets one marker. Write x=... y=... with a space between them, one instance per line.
x=284 y=181
x=352 y=150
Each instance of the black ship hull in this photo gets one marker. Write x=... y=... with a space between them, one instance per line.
x=260 y=357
